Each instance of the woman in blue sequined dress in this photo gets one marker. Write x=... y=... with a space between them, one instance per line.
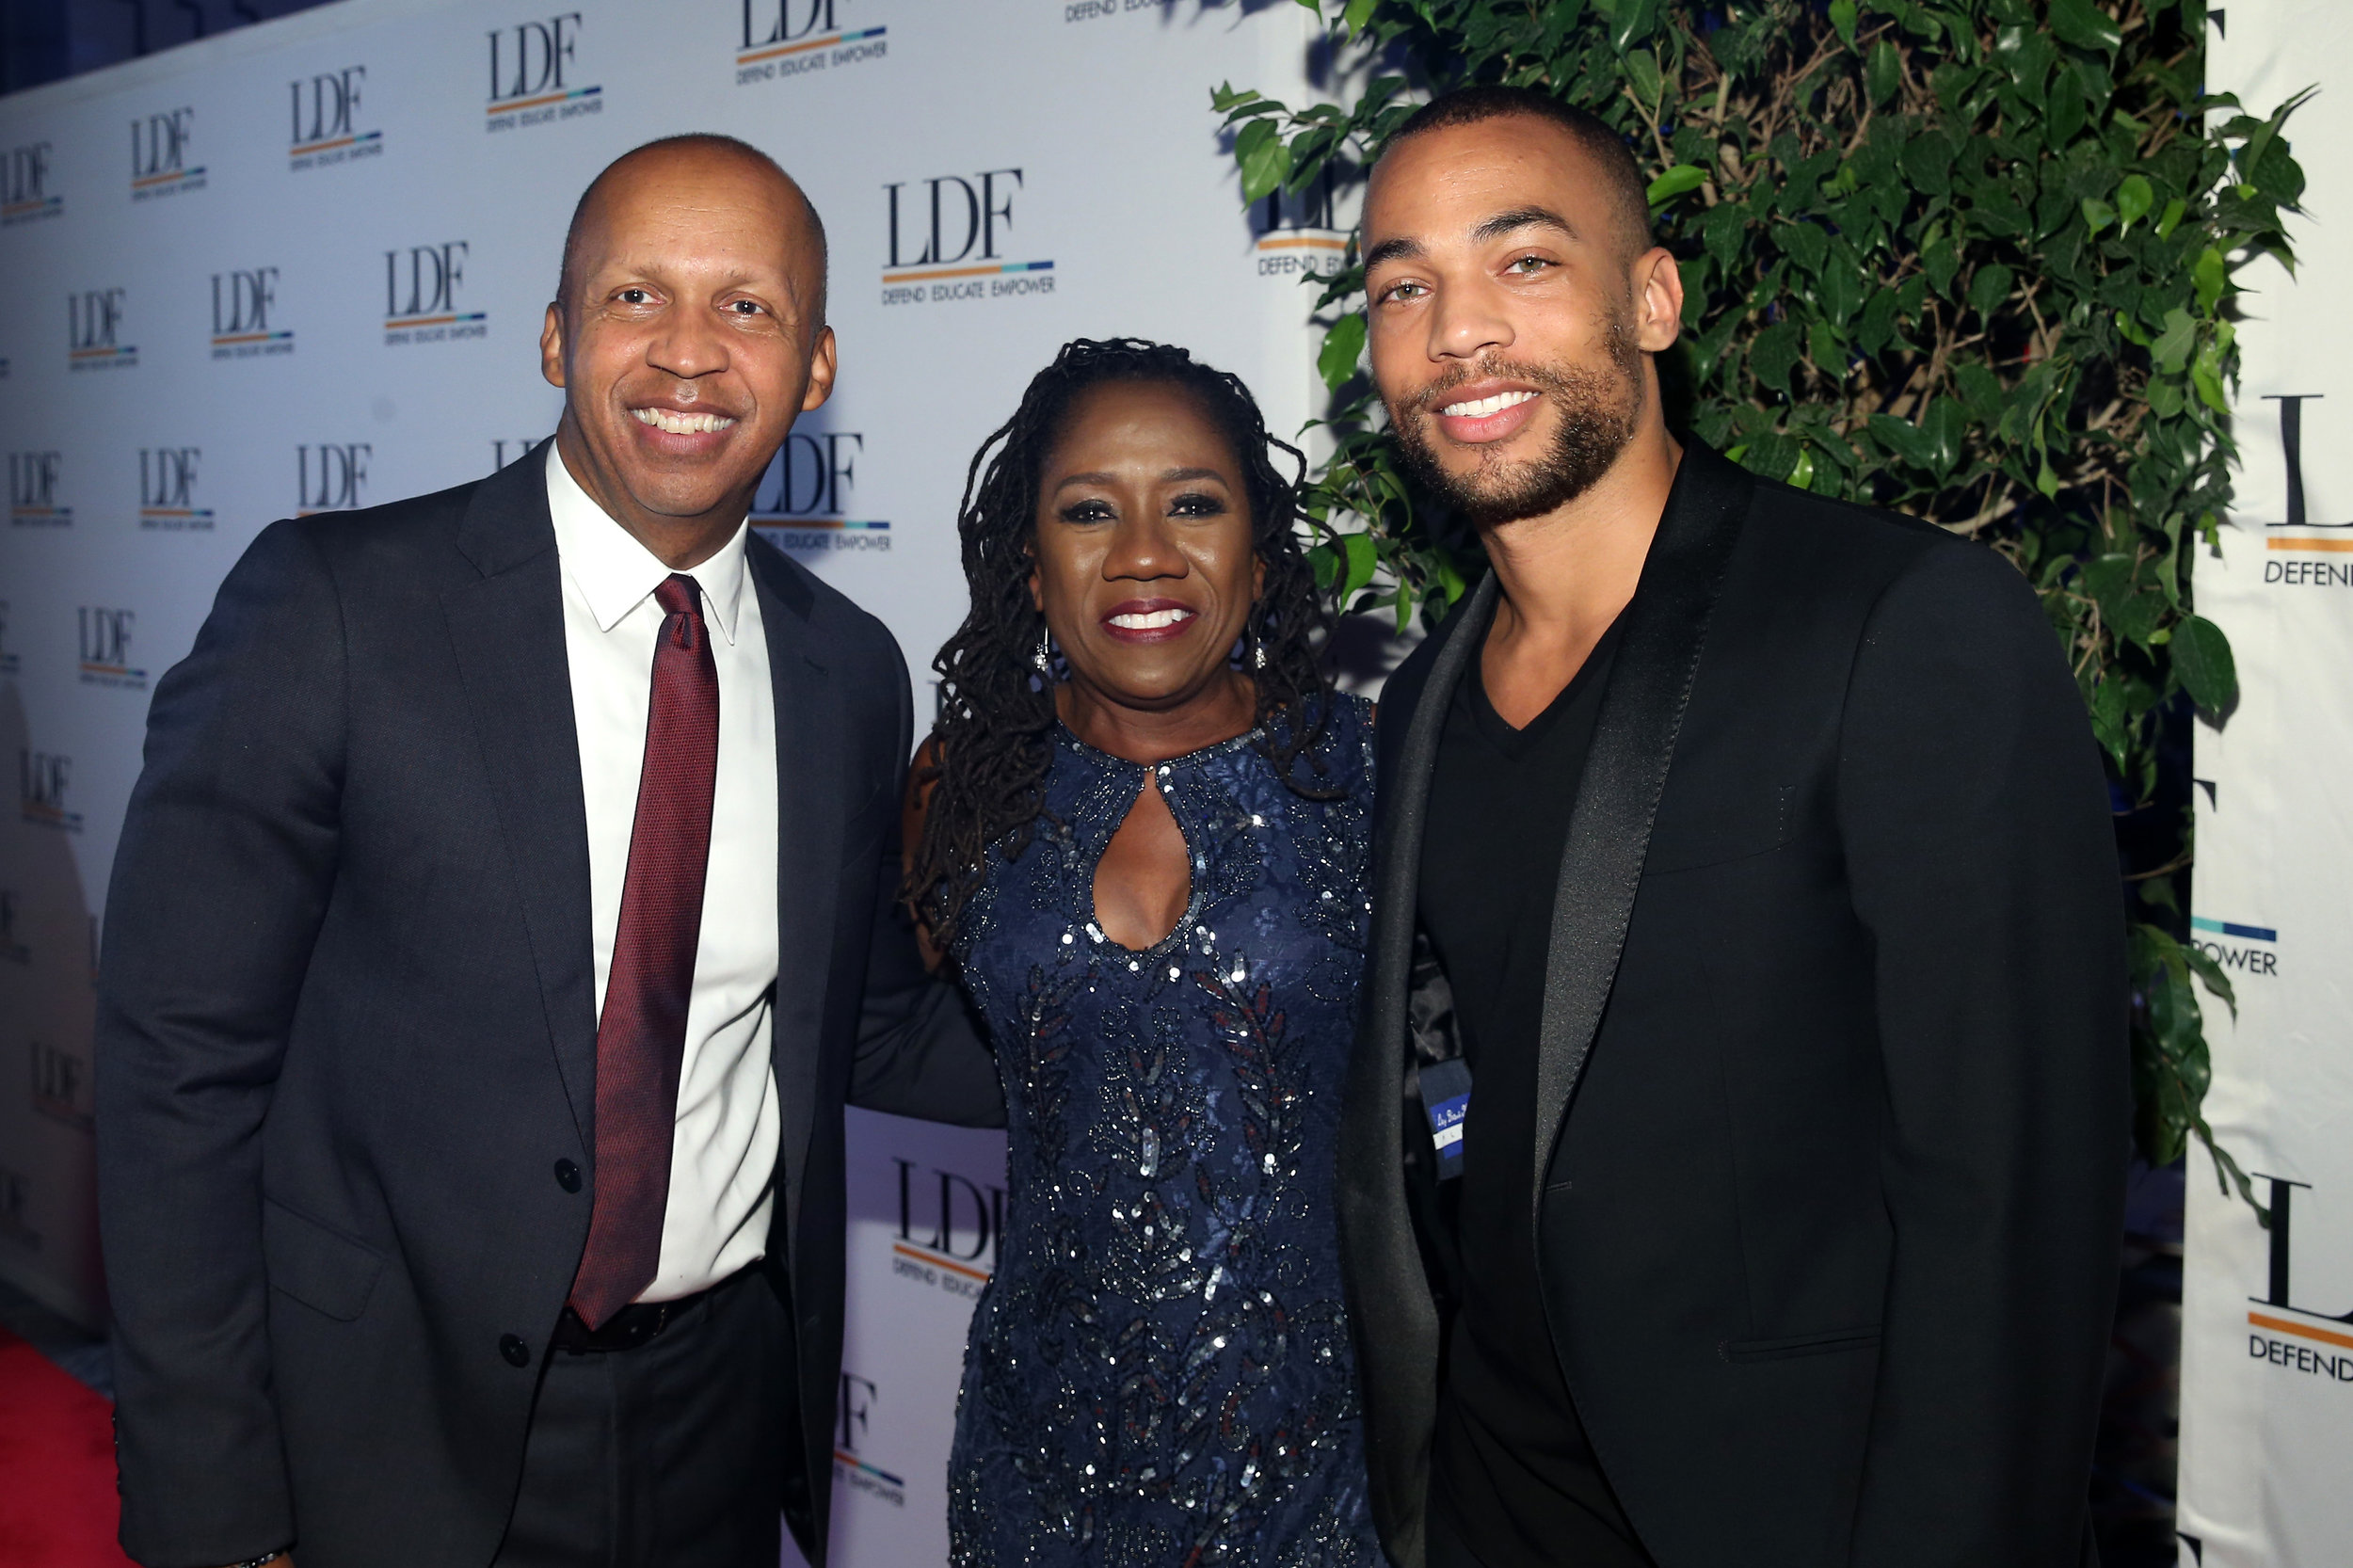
x=1141 y=833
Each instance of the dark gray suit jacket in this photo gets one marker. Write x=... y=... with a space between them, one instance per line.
x=347 y=1029
x=1832 y=1102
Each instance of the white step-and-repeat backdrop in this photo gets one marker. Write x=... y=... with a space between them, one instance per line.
x=2267 y=1315
x=302 y=266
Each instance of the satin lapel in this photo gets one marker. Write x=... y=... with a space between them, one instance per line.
x=507 y=631
x=1634 y=745
x=1397 y=1333
x=811 y=753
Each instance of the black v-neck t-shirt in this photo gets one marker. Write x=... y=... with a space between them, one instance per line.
x=1512 y=1477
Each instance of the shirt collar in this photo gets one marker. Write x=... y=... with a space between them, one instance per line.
x=614 y=574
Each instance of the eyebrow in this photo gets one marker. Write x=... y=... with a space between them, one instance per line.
x=1522 y=217
x=1403 y=248
x=1174 y=476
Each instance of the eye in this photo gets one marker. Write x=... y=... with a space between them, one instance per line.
x=1087 y=511
x=1195 y=503
x=1401 y=291
x=748 y=307
x=1528 y=266
x=634 y=296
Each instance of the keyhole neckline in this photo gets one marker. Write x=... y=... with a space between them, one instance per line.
x=1153 y=776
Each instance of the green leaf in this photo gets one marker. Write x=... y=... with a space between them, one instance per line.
x=2202 y=660
x=1358 y=13
x=1841 y=16
x=1775 y=356
x=1945 y=427
x=2170 y=217
x=2134 y=196
x=1342 y=345
x=2172 y=350
x=2209 y=275
x=1362 y=559
x=2085 y=25
x=1988 y=288
x=2098 y=215
x=1641 y=74
x=1906 y=439
x=1882 y=73
x=1266 y=158
x=1678 y=180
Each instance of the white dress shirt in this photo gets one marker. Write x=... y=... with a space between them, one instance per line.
x=723 y=1157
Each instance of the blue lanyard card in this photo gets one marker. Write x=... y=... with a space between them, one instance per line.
x=1446 y=1097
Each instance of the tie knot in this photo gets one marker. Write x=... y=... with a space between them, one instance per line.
x=678 y=594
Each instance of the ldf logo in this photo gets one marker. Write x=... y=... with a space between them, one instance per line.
x=159 y=154
x=33 y=491
x=856 y=1404
x=24 y=185
x=973 y=214
x=241 y=307
x=420 y=294
x=42 y=780
x=802 y=497
x=2332 y=1362
x=325 y=110
x=959 y=1235
x=785 y=37
x=93 y=323
x=168 y=489
x=528 y=63
x=955 y=225
x=328 y=476
x=105 y=649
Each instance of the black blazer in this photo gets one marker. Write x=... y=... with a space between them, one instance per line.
x=347 y=1029
x=1831 y=1101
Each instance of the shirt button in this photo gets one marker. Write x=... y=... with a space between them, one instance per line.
x=567 y=1175
x=515 y=1350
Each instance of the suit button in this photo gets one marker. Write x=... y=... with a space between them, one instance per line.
x=567 y=1175
x=515 y=1350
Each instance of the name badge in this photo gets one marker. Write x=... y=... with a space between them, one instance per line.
x=1446 y=1099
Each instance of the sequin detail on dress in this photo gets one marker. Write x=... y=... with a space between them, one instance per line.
x=1160 y=1373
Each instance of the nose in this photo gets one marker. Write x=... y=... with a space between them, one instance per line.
x=1143 y=550
x=689 y=346
x=1466 y=321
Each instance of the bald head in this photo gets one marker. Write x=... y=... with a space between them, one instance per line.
x=706 y=165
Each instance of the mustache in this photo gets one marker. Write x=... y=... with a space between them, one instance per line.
x=1435 y=395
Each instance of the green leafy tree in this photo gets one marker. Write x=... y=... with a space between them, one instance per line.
x=1971 y=260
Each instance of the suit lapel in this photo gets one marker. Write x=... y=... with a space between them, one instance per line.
x=1634 y=744
x=506 y=629
x=811 y=755
x=1395 y=1319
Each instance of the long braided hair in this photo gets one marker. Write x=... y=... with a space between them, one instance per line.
x=993 y=742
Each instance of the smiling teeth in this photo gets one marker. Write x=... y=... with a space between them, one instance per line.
x=1486 y=406
x=682 y=424
x=1152 y=620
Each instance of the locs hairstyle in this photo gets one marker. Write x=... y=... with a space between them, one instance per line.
x=994 y=739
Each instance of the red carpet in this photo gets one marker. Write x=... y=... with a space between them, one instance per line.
x=57 y=1507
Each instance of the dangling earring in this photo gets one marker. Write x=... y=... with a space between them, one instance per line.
x=1258 y=654
x=1044 y=657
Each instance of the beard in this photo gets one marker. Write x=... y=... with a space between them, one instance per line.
x=1597 y=410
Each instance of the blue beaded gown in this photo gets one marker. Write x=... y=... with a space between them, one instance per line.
x=1160 y=1375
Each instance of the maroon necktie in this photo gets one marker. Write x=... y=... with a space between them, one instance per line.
x=642 y=1034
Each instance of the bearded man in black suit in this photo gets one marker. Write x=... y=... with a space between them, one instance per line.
x=1732 y=1159
x=504 y=915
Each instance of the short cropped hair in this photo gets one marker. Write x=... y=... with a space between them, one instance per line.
x=1622 y=177
x=710 y=141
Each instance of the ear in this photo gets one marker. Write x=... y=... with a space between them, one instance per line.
x=551 y=345
x=1657 y=301
x=821 y=370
